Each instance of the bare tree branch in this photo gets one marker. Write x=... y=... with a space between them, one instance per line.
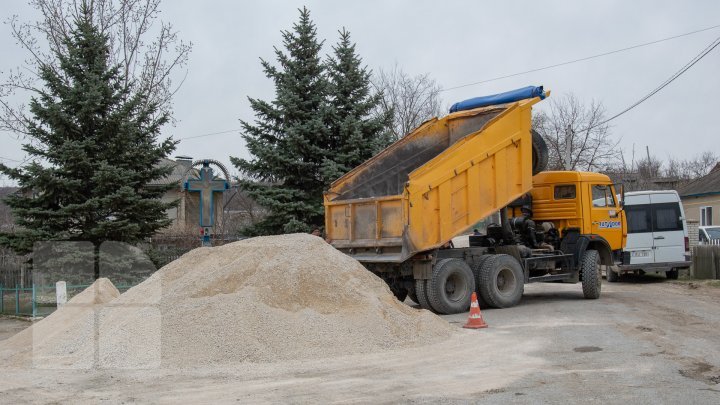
x=592 y=147
x=411 y=99
x=149 y=57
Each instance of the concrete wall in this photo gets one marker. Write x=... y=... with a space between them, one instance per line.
x=692 y=205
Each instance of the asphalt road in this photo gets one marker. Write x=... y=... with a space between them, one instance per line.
x=644 y=341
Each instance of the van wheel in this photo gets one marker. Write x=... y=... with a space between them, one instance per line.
x=450 y=287
x=590 y=273
x=540 y=153
x=502 y=281
x=421 y=293
x=672 y=274
x=610 y=275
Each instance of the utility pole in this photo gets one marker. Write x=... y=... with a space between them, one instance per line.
x=647 y=149
x=568 y=148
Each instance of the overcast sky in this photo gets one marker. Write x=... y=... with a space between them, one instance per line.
x=456 y=42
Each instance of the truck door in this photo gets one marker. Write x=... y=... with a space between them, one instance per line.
x=640 y=244
x=605 y=215
x=668 y=230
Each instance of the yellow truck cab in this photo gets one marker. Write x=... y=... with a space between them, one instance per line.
x=582 y=202
x=397 y=212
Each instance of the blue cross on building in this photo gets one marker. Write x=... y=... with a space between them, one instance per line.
x=207 y=186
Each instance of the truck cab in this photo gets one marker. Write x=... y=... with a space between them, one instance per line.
x=581 y=202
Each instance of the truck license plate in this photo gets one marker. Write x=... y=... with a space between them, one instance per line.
x=640 y=253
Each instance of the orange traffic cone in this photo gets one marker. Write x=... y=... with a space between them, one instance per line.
x=475 y=320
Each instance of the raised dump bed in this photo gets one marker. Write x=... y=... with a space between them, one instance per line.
x=437 y=182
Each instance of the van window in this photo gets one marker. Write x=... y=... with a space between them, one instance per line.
x=602 y=196
x=566 y=192
x=667 y=217
x=638 y=218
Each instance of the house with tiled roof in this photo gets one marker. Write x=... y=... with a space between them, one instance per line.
x=701 y=198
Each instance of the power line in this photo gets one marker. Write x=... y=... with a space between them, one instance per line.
x=210 y=134
x=664 y=84
x=581 y=59
x=12 y=160
x=524 y=72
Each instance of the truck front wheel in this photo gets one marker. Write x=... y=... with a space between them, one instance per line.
x=590 y=273
x=502 y=281
x=450 y=287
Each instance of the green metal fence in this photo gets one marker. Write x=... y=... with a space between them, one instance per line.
x=36 y=301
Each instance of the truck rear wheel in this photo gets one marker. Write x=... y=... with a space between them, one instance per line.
x=450 y=287
x=540 y=153
x=502 y=281
x=411 y=294
x=476 y=272
x=590 y=272
x=421 y=292
x=672 y=274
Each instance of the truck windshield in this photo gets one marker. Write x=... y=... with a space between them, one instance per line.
x=602 y=196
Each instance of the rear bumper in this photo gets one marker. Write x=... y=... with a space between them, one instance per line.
x=654 y=266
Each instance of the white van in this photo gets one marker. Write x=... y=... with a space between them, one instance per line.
x=657 y=239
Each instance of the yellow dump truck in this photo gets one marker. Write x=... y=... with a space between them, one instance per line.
x=398 y=212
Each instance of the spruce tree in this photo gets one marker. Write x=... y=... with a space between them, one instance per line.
x=356 y=134
x=289 y=138
x=94 y=148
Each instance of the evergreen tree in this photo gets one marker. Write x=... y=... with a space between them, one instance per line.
x=355 y=133
x=289 y=138
x=94 y=148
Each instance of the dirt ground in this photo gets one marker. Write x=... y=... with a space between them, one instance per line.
x=645 y=340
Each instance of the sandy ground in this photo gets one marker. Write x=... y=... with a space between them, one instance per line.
x=10 y=326
x=644 y=341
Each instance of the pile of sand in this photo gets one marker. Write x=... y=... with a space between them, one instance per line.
x=263 y=299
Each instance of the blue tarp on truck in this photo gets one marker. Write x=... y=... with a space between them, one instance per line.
x=501 y=98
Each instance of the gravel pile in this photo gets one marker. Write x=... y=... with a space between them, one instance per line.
x=65 y=337
x=287 y=297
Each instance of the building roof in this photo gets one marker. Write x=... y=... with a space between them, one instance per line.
x=177 y=176
x=706 y=185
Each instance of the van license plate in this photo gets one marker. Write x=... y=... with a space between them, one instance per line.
x=640 y=253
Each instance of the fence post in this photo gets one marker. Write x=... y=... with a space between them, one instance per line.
x=17 y=299
x=2 y=298
x=34 y=301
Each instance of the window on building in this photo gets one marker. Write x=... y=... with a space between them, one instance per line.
x=705 y=216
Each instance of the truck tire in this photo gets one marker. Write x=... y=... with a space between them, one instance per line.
x=590 y=273
x=610 y=275
x=411 y=294
x=476 y=272
x=450 y=287
x=672 y=274
x=502 y=281
x=540 y=153
x=420 y=291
